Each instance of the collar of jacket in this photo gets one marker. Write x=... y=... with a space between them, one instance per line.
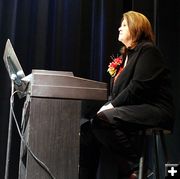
x=139 y=45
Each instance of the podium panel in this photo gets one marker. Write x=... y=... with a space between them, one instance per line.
x=51 y=124
x=53 y=136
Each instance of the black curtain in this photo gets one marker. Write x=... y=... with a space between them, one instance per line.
x=68 y=35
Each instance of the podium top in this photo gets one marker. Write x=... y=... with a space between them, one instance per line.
x=63 y=84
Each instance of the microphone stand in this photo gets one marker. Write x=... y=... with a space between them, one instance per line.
x=9 y=133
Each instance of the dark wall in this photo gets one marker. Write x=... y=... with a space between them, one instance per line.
x=169 y=42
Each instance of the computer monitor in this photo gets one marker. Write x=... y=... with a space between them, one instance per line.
x=14 y=68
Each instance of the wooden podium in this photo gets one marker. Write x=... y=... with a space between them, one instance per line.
x=51 y=123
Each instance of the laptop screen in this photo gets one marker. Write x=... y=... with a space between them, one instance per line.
x=13 y=67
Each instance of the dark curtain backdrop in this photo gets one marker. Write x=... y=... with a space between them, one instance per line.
x=70 y=35
x=77 y=36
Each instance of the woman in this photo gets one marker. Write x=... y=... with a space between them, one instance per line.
x=140 y=94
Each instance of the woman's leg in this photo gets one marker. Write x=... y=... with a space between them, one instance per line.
x=89 y=152
x=119 y=139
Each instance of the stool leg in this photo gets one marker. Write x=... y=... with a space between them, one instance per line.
x=141 y=168
x=156 y=155
x=164 y=147
x=141 y=174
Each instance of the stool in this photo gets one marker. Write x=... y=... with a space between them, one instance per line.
x=156 y=133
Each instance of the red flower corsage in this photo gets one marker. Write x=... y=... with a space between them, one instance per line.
x=114 y=65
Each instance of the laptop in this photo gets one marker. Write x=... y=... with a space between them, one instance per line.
x=14 y=69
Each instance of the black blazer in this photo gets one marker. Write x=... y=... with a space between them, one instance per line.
x=142 y=93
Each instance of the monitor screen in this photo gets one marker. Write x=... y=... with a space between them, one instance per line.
x=13 y=67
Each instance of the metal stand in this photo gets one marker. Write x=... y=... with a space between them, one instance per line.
x=6 y=176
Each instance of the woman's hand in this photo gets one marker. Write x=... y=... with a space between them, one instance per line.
x=105 y=107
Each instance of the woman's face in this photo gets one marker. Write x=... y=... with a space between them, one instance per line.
x=124 y=34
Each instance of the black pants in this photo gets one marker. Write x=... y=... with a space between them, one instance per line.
x=119 y=137
x=89 y=152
